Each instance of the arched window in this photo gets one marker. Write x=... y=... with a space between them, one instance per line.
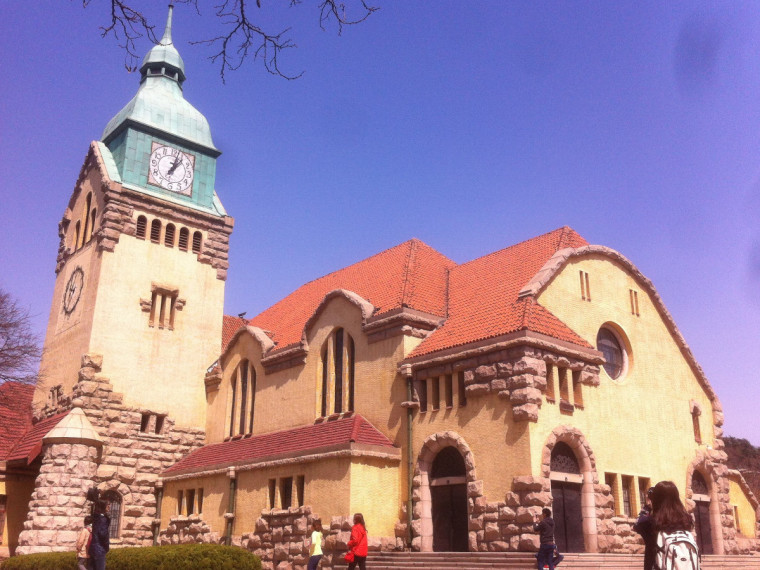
x=92 y=223
x=169 y=235
x=563 y=459
x=142 y=227
x=86 y=218
x=698 y=484
x=77 y=231
x=243 y=386
x=197 y=242
x=155 y=231
x=337 y=374
x=114 y=512
x=184 y=238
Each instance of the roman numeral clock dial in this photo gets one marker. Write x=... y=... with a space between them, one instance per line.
x=171 y=169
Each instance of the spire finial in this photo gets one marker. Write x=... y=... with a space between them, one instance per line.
x=167 y=38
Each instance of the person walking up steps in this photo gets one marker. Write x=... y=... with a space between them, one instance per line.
x=545 y=529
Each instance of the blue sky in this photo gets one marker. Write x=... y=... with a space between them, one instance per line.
x=469 y=125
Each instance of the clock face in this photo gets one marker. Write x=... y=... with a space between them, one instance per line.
x=73 y=291
x=171 y=169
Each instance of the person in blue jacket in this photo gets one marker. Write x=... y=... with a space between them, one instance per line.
x=100 y=536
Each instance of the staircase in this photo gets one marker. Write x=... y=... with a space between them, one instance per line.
x=526 y=561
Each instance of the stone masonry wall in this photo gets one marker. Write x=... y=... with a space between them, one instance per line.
x=129 y=464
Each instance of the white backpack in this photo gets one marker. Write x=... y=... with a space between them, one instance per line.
x=677 y=551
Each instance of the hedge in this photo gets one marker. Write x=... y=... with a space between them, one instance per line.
x=174 y=557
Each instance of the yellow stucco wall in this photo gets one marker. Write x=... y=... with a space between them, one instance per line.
x=641 y=423
x=374 y=487
x=18 y=489
x=747 y=522
x=215 y=499
x=171 y=364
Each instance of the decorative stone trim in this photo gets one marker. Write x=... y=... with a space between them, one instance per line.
x=189 y=530
x=711 y=463
x=517 y=374
x=401 y=321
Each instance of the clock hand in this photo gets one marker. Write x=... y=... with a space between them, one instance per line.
x=174 y=166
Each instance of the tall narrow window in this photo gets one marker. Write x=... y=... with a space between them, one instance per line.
x=197 y=242
x=113 y=499
x=253 y=398
x=422 y=394
x=169 y=235
x=449 y=391
x=77 y=231
x=180 y=501
x=190 y=501
x=611 y=480
x=155 y=231
x=626 y=484
x=695 y=413
x=86 y=217
x=634 y=302
x=286 y=492
x=184 y=238
x=338 y=359
x=93 y=214
x=577 y=389
x=461 y=389
x=564 y=391
x=142 y=227
x=272 y=492
x=325 y=382
x=199 y=496
x=243 y=372
x=299 y=490
x=351 y=369
x=234 y=404
x=643 y=488
x=551 y=394
x=435 y=393
x=160 y=424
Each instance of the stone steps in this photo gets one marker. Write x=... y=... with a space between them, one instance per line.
x=526 y=561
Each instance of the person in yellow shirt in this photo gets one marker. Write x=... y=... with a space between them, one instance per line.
x=315 y=547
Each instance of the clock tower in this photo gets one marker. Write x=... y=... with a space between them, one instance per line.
x=142 y=259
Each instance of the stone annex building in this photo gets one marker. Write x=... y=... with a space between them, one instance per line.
x=447 y=402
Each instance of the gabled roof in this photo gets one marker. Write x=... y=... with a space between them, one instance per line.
x=230 y=325
x=297 y=441
x=483 y=295
x=411 y=275
x=15 y=414
x=30 y=445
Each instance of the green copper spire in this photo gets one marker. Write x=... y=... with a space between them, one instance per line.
x=164 y=58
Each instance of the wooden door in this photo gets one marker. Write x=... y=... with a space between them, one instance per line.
x=568 y=521
x=702 y=527
x=450 y=533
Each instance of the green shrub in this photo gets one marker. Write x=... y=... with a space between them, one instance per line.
x=175 y=557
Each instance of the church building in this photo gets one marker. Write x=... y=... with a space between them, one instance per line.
x=447 y=402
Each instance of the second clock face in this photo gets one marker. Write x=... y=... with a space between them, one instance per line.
x=171 y=169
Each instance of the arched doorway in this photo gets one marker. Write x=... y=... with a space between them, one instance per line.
x=448 y=493
x=700 y=493
x=566 y=484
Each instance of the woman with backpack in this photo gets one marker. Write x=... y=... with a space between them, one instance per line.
x=668 y=528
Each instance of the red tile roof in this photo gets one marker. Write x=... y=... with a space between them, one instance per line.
x=298 y=440
x=230 y=325
x=411 y=274
x=15 y=413
x=483 y=293
x=30 y=445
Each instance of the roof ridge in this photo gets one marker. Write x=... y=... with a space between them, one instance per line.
x=410 y=259
x=514 y=245
x=357 y=423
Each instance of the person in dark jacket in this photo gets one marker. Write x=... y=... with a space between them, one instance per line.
x=645 y=527
x=545 y=529
x=100 y=543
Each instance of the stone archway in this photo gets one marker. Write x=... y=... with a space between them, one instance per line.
x=422 y=525
x=711 y=499
x=574 y=439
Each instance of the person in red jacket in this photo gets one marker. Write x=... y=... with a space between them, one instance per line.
x=358 y=543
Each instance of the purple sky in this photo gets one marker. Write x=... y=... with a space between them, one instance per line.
x=469 y=125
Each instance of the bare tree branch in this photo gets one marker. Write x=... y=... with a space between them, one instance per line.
x=242 y=37
x=19 y=346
